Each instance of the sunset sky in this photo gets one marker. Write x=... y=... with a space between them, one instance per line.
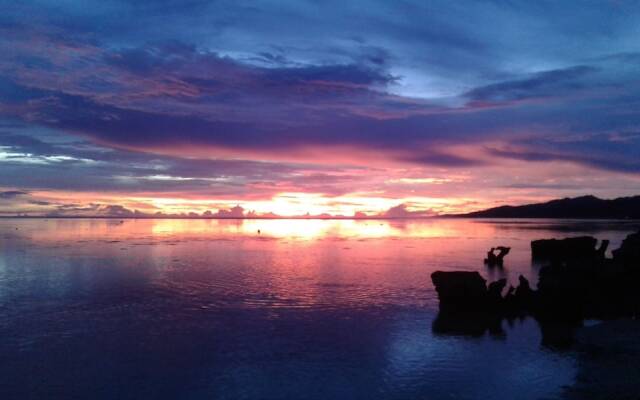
x=389 y=108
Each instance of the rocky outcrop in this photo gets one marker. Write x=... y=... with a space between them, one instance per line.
x=629 y=252
x=494 y=292
x=605 y=289
x=558 y=251
x=579 y=283
x=460 y=289
x=467 y=291
x=494 y=259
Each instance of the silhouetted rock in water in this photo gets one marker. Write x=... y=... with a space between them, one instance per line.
x=523 y=291
x=602 y=250
x=491 y=257
x=629 y=252
x=480 y=311
x=460 y=289
x=521 y=299
x=494 y=292
x=605 y=289
x=496 y=259
x=559 y=251
x=584 y=285
x=464 y=291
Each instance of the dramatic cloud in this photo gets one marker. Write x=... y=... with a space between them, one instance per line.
x=401 y=211
x=239 y=103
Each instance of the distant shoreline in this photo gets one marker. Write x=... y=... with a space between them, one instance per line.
x=215 y=218
x=315 y=218
x=584 y=207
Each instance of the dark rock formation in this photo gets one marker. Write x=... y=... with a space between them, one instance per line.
x=579 y=284
x=494 y=259
x=583 y=288
x=460 y=289
x=575 y=248
x=494 y=291
x=467 y=291
x=523 y=298
x=629 y=252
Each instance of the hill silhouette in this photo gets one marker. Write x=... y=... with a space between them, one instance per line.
x=585 y=207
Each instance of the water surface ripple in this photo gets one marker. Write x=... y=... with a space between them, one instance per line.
x=207 y=309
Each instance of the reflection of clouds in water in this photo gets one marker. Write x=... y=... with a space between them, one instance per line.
x=357 y=318
x=3 y=271
x=403 y=251
x=294 y=228
x=412 y=347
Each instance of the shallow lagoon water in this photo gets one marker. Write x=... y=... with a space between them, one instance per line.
x=313 y=309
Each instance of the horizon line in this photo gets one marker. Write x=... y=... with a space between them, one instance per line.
x=212 y=218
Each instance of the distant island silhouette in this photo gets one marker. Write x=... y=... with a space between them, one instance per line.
x=584 y=207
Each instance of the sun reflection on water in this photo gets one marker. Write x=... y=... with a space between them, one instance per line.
x=299 y=229
x=307 y=229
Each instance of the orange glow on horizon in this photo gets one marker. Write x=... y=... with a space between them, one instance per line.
x=418 y=191
x=285 y=204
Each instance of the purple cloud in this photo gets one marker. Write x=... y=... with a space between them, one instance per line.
x=12 y=194
x=227 y=101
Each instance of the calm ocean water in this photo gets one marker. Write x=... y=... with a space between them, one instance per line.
x=305 y=309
